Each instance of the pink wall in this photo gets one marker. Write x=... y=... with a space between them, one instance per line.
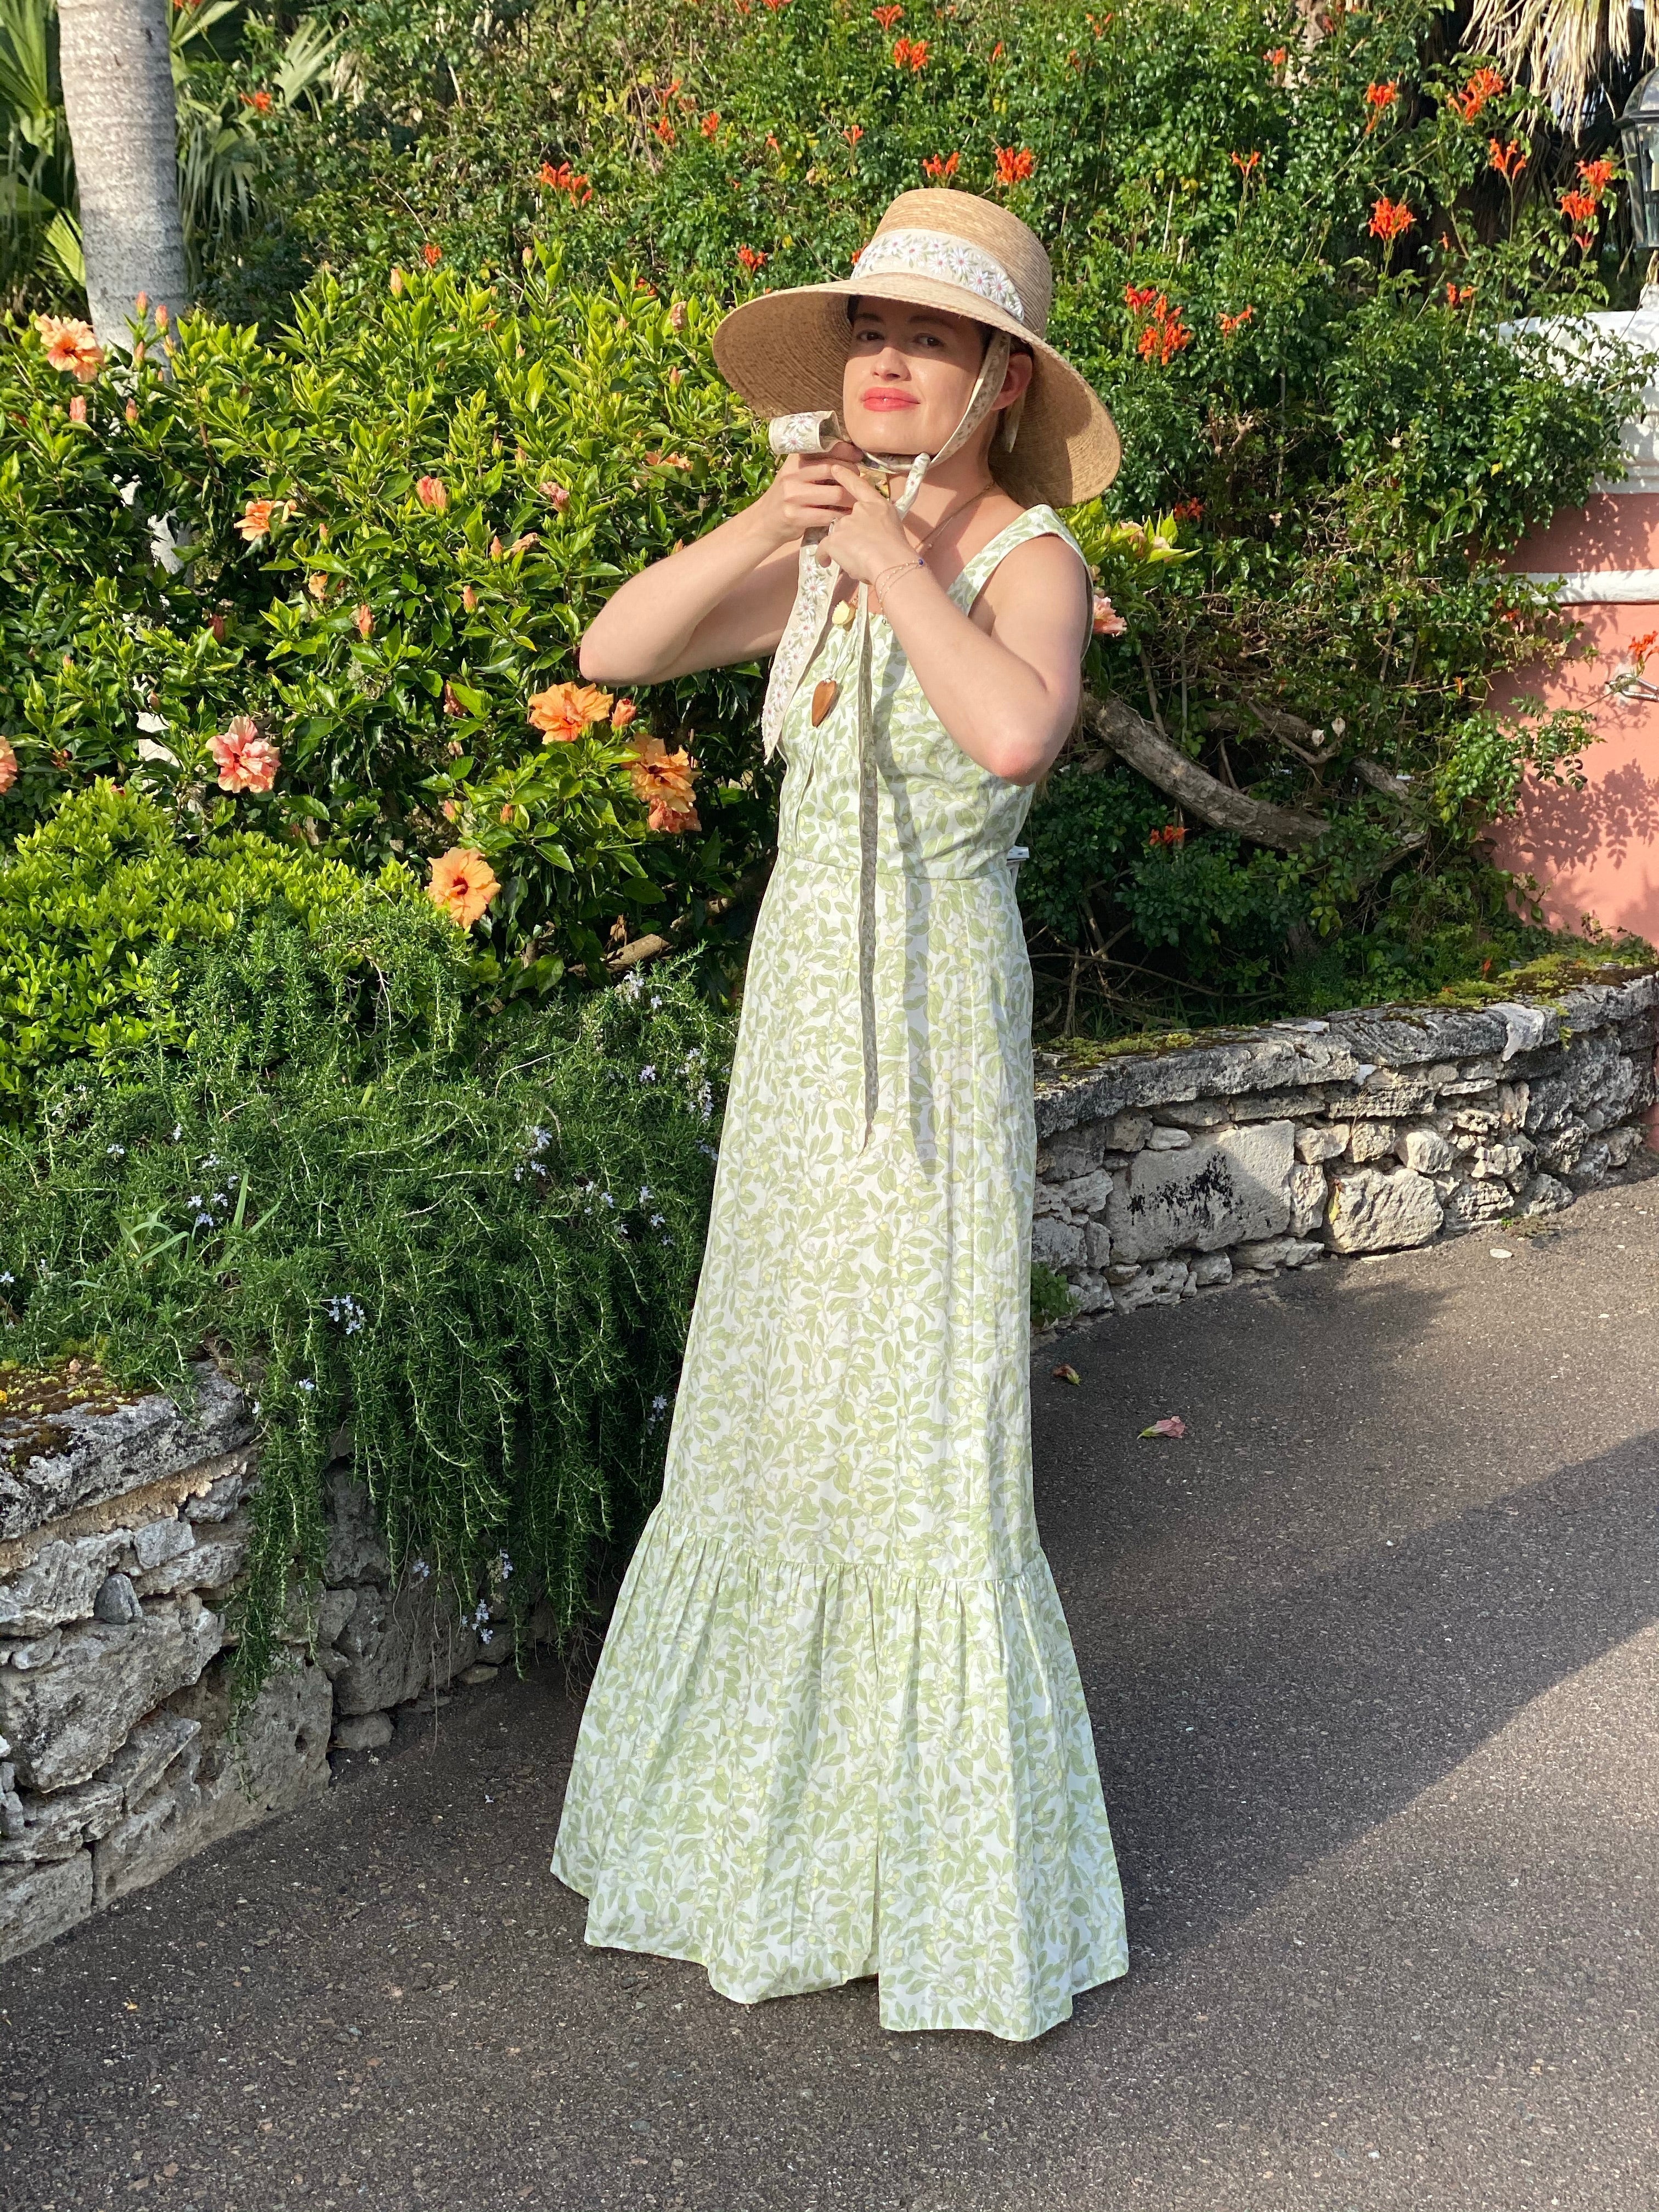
x=1596 y=851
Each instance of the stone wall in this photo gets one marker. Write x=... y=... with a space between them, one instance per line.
x=122 y=1530
x=1163 y=1174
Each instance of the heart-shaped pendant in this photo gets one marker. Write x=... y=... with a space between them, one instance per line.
x=824 y=697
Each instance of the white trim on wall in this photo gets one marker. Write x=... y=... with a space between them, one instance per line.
x=1593 y=588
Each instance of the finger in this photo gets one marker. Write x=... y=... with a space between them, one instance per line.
x=862 y=491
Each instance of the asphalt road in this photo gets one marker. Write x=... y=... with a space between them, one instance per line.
x=1373 y=1665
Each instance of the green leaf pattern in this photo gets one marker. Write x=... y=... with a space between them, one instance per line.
x=837 y=1728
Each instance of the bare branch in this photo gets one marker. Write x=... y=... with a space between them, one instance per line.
x=1133 y=738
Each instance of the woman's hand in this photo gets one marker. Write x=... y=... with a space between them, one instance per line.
x=869 y=537
x=805 y=494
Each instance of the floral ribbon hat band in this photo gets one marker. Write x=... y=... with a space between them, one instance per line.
x=785 y=352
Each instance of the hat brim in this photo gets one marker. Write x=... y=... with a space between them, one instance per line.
x=785 y=352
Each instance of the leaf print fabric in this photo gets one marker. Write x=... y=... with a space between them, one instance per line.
x=837 y=1728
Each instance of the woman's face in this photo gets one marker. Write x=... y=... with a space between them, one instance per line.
x=909 y=376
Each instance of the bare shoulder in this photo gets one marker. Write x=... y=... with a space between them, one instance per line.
x=1040 y=579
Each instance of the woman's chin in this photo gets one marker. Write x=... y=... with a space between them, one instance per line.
x=885 y=430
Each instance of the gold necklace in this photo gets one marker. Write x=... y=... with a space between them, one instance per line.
x=949 y=515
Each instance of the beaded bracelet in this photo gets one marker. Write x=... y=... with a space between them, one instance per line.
x=898 y=568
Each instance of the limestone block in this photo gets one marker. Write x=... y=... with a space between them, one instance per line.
x=1590 y=1168
x=1263 y=1258
x=220 y=1788
x=117 y=1601
x=1126 y=1132
x=1544 y=1195
x=1549 y=1103
x=40 y=1652
x=363 y=1731
x=1227 y=1190
x=1369 y=1140
x=357 y=1550
x=1378 y=1210
x=94 y=1455
x=39 y=1902
x=397 y=1645
x=1309 y=1193
x=157 y=1541
x=1603 y=1080
x=1165 y=1139
x=223 y=1498
x=1097 y=1244
x=1424 y=1150
x=1469 y=1203
x=1499 y=1163
x=1623 y=1143
x=55 y=1827
x=1071 y=1152
x=1047 y=1199
x=66 y=1720
x=1122 y=1271
x=1321 y=1143
x=1163 y=1283
x=1199 y=1113
x=60 y=1584
x=1388 y=1097
x=1561 y=1148
x=1211 y=1269
x=141 y=1765
x=1088 y=1194
x=1056 y=1243
x=1089 y=1293
x=212 y=1563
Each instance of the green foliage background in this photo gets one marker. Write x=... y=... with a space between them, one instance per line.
x=1351 y=459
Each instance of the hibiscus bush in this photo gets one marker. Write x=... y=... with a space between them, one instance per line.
x=328 y=587
x=1289 y=251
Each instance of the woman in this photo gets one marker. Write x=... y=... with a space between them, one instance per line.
x=837 y=1728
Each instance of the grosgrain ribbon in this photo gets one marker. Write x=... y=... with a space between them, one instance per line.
x=803 y=634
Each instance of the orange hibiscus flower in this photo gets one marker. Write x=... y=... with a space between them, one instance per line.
x=8 y=764
x=563 y=711
x=663 y=782
x=462 y=884
x=247 y=761
x=256 y=518
x=70 y=346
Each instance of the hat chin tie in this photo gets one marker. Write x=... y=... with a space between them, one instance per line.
x=803 y=634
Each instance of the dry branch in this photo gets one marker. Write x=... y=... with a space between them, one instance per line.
x=1133 y=738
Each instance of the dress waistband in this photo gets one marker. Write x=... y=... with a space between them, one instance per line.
x=987 y=870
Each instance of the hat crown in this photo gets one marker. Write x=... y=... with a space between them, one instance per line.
x=993 y=231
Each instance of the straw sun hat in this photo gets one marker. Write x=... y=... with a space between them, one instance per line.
x=784 y=352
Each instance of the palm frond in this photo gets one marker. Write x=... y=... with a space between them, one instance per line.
x=1564 y=49
x=61 y=254
x=305 y=61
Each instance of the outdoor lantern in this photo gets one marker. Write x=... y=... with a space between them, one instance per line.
x=1638 y=126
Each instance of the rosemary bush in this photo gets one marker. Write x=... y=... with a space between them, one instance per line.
x=475 y=1237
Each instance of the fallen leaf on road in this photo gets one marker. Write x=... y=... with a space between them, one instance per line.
x=1064 y=1374
x=1171 y=1426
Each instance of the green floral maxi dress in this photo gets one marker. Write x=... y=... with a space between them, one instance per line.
x=837 y=1728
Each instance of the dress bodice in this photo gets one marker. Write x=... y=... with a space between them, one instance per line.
x=938 y=811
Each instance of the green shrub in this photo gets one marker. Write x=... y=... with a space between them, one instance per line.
x=1343 y=432
x=378 y=539
x=482 y=1248
x=100 y=906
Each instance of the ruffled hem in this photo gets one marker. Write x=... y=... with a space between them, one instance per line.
x=797 y=1774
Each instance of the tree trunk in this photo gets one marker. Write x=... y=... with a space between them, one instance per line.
x=118 y=93
x=1133 y=738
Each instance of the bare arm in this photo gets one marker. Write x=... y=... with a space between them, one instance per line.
x=1003 y=681
x=724 y=598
